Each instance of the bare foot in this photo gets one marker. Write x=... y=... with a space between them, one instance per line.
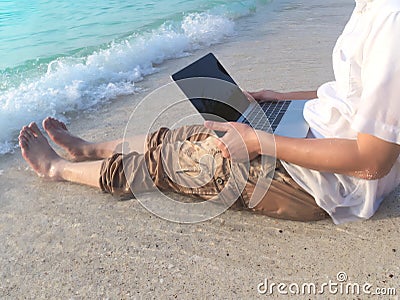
x=76 y=147
x=38 y=153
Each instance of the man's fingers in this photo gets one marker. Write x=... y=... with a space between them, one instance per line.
x=218 y=126
x=224 y=150
x=249 y=95
x=253 y=94
x=226 y=153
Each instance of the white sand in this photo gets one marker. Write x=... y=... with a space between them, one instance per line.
x=61 y=240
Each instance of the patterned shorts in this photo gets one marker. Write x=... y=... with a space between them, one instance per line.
x=187 y=161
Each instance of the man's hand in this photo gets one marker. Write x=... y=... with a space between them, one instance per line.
x=240 y=141
x=265 y=95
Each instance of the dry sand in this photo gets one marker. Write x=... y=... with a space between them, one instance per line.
x=61 y=240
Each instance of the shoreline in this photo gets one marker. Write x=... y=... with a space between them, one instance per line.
x=66 y=240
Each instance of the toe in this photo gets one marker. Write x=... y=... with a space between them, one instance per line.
x=46 y=123
x=23 y=142
x=35 y=129
x=26 y=133
x=52 y=123
x=21 y=132
x=63 y=126
x=58 y=123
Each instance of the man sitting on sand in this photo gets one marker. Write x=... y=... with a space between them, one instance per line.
x=346 y=166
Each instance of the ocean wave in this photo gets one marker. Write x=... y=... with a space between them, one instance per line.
x=78 y=83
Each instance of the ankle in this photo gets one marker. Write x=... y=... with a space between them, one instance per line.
x=91 y=151
x=56 y=170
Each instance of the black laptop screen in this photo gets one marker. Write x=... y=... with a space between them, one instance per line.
x=215 y=99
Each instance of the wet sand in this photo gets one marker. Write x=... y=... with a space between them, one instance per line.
x=62 y=240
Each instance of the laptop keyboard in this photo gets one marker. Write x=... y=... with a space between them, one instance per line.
x=274 y=112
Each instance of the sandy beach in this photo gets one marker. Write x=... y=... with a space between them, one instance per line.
x=66 y=241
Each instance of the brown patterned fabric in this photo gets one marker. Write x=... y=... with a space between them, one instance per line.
x=187 y=161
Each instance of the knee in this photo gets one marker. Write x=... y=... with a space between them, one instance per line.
x=112 y=176
x=156 y=138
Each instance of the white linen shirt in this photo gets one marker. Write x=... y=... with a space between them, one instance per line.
x=365 y=98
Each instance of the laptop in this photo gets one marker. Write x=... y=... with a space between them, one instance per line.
x=217 y=97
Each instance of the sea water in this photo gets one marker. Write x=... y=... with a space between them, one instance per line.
x=58 y=56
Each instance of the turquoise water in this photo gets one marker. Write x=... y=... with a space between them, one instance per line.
x=58 y=56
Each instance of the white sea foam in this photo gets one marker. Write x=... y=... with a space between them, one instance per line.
x=72 y=83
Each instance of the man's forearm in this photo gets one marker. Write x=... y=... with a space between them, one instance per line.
x=299 y=95
x=325 y=155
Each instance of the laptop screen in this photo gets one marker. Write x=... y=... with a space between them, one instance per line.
x=217 y=100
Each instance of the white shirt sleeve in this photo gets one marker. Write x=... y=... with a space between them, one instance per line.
x=379 y=111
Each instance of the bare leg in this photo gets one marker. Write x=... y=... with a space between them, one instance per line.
x=46 y=162
x=80 y=149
